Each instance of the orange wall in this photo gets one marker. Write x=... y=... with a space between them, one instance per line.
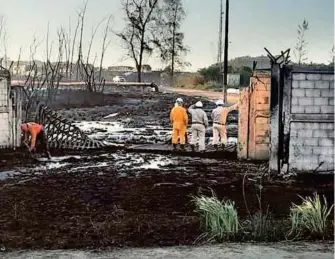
x=254 y=118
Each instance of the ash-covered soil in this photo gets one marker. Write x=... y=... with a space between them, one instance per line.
x=113 y=198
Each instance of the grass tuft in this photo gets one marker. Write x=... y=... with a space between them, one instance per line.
x=310 y=216
x=219 y=217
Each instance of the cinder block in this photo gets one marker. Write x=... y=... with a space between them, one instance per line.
x=297 y=109
x=320 y=101
x=311 y=160
x=312 y=109
x=305 y=133
x=295 y=84
x=299 y=76
x=314 y=77
x=296 y=125
x=310 y=142
x=327 y=159
x=328 y=77
x=327 y=93
x=308 y=125
x=321 y=133
x=331 y=84
x=322 y=85
x=306 y=150
x=313 y=92
x=306 y=84
x=326 y=142
x=298 y=92
x=294 y=101
x=304 y=101
x=319 y=150
x=327 y=109
x=327 y=126
x=325 y=151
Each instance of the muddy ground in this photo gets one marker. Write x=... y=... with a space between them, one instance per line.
x=115 y=198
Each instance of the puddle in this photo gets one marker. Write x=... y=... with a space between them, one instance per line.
x=8 y=174
x=123 y=162
x=116 y=132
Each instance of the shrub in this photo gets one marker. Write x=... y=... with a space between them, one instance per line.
x=310 y=216
x=219 y=217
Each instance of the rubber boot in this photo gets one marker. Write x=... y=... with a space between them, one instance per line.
x=174 y=147
x=193 y=148
x=216 y=147
x=182 y=147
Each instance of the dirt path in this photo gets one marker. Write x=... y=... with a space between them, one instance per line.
x=232 y=98
x=227 y=251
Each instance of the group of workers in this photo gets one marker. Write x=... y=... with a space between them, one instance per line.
x=179 y=120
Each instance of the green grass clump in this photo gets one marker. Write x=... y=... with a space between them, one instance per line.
x=310 y=216
x=219 y=217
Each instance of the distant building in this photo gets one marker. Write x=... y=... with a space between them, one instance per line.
x=121 y=69
x=19 y=69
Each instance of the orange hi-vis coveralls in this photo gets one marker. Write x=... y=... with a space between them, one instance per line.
x=33 y=129
x=179 y=120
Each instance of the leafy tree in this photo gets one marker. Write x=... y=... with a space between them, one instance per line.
x=172 y=45
x=138 y=36
x=300 y=48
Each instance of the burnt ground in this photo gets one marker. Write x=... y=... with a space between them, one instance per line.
x=94 y=199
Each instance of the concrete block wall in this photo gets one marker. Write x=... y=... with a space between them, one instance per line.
x=3 y=94
x=312 y=93
x=311 y=145
x=4 y=129
x=10 y=113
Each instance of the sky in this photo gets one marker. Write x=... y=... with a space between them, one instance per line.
x=254 y=24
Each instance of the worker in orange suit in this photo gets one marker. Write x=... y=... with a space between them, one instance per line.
x=179 y=120
x=37 y=133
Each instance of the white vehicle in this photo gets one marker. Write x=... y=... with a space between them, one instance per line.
x=118 y=79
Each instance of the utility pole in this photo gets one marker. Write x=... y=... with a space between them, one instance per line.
x=219 y=57
x=225 y=68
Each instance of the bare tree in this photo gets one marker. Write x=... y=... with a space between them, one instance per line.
x=73 y=45
x=104 y=44
x=81 y=16
x=94 y=32
x=141 y=19
x=3 y=40
x=172 y=46
x=300 y=48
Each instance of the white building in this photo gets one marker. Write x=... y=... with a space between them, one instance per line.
x=10 y=112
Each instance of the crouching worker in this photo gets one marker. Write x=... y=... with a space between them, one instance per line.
x=199 y=125
x=179 y=120
x=37 y=134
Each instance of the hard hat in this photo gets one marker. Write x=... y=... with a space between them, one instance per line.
x=219 y=102
x=199 y=104
x=179 y=100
